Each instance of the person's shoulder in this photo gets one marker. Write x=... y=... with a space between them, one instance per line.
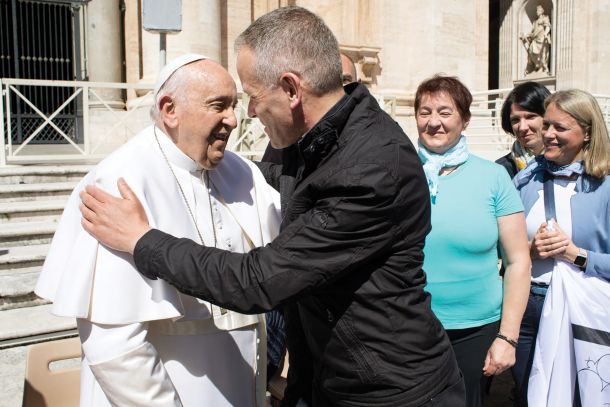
x=604 y=183
x=509 y=164
x=235 y=162
x=236 y=169
x=504 y=159
x=487 y=172
x=134 y=156
x=523 y=178
x=485 y=164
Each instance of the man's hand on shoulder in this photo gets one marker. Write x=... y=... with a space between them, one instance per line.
x=115 y=222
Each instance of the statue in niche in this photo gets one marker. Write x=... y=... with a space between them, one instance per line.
x=538 y=44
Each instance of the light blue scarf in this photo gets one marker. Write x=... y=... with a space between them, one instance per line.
x=433 y=163
x=561 y=174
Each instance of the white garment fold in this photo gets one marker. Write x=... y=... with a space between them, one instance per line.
x=178 y=347
x=148 y=382
x=573 y=340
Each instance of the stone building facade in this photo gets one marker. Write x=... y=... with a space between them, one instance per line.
x=395 y=43
x=488 y=44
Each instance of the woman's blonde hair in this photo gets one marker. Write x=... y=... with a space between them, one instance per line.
x=583 y=107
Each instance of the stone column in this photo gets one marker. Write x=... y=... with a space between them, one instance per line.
x=595 y=24
x=564 y=36
x=236 y=17
x=133 y=55
x=201 y=33
x=507 y=47
x=104 y=62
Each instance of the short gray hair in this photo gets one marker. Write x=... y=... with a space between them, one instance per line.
x=175 y=87
x=293 y=39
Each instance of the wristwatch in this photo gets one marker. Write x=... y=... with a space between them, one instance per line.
x=581 y=259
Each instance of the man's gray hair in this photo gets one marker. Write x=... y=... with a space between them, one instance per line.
x=293 y=39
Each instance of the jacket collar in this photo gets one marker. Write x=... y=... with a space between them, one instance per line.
x=324 y=137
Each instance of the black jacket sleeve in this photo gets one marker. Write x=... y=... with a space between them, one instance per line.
x=321 y=245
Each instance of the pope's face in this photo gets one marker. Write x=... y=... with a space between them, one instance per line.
x=206 y=113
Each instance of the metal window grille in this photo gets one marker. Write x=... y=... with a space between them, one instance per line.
x=40 y=40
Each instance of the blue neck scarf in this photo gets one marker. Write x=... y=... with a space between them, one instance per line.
x=564 y=170
x=433 y=163
x=542 y=165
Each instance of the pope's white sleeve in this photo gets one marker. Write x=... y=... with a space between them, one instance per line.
x=126 y=366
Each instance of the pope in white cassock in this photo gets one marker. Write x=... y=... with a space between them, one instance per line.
x=145 y=343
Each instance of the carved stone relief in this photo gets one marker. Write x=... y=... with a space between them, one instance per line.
x=367 y=62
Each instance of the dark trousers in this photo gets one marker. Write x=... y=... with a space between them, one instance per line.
x=470 y=346
x=526 y=347
x=454 y=395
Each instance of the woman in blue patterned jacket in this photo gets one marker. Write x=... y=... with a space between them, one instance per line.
x=577 y=161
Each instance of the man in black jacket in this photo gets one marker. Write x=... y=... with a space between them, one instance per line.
x=346 y=265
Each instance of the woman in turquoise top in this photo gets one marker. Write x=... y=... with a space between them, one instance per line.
x=474 y=206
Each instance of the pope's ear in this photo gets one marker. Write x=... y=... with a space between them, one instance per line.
x=167 y=110
x=292 y=87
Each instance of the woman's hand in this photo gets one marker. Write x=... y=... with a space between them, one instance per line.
x=548 y=243
x=553 y=243
x=500 y=356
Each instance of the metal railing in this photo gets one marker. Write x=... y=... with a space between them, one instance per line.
x=107 y=122
x=102 y=121
x=485 y=133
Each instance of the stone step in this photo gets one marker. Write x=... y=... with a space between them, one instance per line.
x=30 y=192
x=15 y=234
x=17 y=289
x=30 y=321
x=30 y=174
x=40 y=210
x=22 y=259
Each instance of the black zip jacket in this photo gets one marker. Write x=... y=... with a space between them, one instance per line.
x=346 y=265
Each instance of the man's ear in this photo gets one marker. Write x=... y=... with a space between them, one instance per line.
x=291 y=85
x=167 y=109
